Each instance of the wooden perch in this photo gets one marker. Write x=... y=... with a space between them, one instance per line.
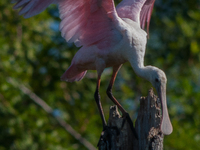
x=146 y=125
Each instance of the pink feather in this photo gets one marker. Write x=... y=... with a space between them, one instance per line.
x=31 y=7
x=88 y=22
x=73 y=74
x=145 y=14
x=136 y=10
x=130 y=9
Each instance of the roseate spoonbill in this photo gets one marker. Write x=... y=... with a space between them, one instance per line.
x=109 y=37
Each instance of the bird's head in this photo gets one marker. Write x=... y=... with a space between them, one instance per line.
x=158 y=79
x=156 y=76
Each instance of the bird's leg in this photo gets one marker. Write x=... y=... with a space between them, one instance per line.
x=97 y=99
x=105 y=131
x=110 y=95
x=109 y=90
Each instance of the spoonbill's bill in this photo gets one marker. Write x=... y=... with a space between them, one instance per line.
x=108 y=37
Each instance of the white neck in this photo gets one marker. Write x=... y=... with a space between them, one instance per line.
x=141 y=70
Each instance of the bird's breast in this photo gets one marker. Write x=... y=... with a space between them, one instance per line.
x=112 y=57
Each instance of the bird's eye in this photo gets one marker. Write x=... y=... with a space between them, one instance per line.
x=156 y=80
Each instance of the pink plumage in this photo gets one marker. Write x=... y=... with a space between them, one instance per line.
x=80 y=16
x=109 y=37
x=145 y=15
x=32 y=7
x=136 y=10
x=73 y=74
x=87 y=22
x=130 y=9
x=90 y=22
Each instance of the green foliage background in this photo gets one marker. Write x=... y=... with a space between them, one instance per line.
x=33 y=53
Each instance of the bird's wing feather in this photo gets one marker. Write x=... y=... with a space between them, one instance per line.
x=30 y=8
x=136 y=10
x=130 y=9
x=145 y=14
x=89 y=22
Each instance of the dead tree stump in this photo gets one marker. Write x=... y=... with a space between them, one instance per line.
x=146 y=125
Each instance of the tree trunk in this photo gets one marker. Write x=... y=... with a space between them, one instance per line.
x=121 y=137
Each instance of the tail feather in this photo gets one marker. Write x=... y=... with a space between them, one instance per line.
x=73 y=74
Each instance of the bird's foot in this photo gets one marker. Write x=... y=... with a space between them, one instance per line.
x=106 y=135
x=128 y=118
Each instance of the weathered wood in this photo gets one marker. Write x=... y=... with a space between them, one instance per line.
x=118 y=137
x=148 y=122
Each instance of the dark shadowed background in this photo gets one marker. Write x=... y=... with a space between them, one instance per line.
x=33 y=54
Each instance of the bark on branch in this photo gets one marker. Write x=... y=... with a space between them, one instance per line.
x=146 y=125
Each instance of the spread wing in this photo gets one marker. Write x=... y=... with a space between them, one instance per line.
x=30 y=8
x=137 y=10
x=89 y=22
x=145 y=14
x=84 y=22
